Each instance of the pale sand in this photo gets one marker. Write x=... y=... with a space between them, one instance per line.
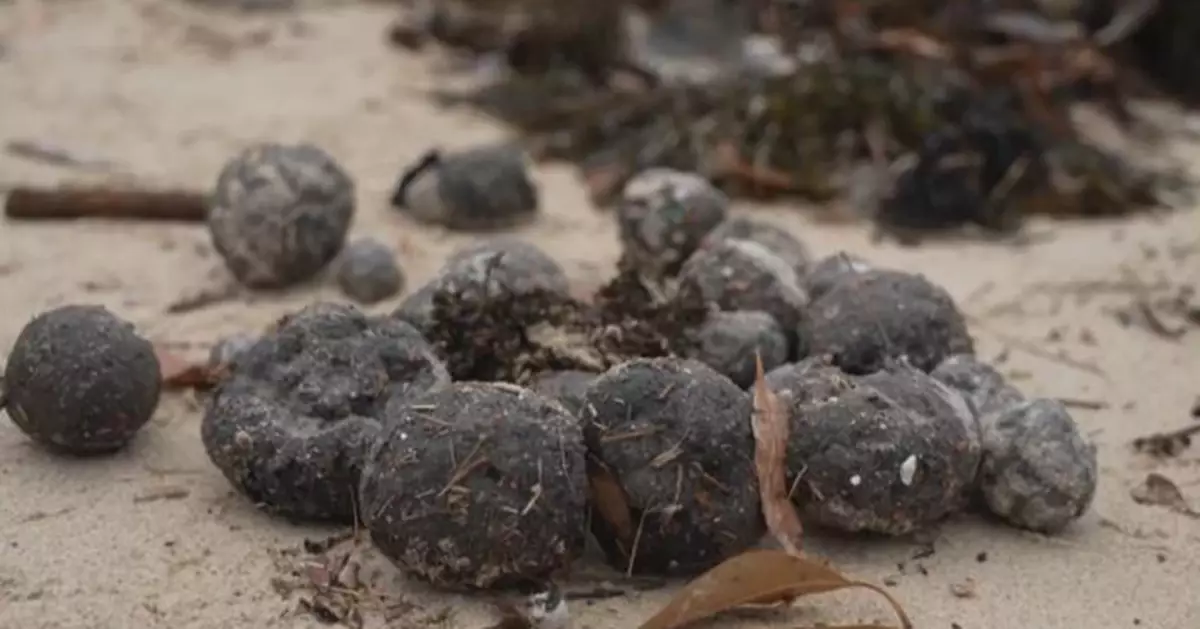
x=80 y=550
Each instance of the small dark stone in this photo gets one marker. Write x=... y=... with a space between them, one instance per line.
x=744 y=275
x=478 y=486
x=832 y=270
x=228 y=350
x=676 y=437
x=984 y=389
x=290 y=425
x=891 y=453
x=1038 y=471
x=80 y=380
x=280 y=213
x=482 y=188
x=511 y=262
x=568 y=386
x=368 y=273
x=864 y=321
x=777 y=240
x=664 y=215
x=729 y=342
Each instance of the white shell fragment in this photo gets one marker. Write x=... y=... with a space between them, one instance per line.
x=908 y=469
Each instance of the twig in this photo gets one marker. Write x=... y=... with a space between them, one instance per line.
x=1090 y=405
x=106 y=203
x=1034 y=350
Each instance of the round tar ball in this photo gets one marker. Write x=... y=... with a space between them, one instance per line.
x=831 y=270
x=481 y=188
x=731 y=343
x=368 y=273
x=744 y=275
x=984 y=389
x=483 y=302
x=878 y=316
x=1038 y=471
x=663 y=216
x=290 y=426
x=479 y=486
x=280 y=213
x=889 y=453
x=80 y=380
x=511 y=262
x=674 y=437
x=776 y=239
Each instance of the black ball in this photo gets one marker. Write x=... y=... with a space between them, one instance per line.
x=478 y=486
x=290 y=425
x=81 y=380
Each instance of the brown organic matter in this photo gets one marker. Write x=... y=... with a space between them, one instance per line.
x=114 y=203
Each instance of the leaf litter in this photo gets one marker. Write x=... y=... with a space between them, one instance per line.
x=766 y=577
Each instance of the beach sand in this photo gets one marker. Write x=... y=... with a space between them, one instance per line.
x=155 y=536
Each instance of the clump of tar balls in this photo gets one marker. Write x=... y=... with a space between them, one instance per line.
x=490 y=423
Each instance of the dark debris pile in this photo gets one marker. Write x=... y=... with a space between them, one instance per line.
x=925 y=115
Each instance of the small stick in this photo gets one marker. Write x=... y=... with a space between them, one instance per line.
x=104 y=202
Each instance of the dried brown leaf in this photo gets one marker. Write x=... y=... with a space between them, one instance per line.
x=608 y=497
x=770 y=424
x=180 y=373
x=759 y=577
x=1158 y=490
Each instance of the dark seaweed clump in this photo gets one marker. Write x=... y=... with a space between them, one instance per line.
x=960 y=110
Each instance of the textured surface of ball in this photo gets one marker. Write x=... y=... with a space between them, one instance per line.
x=732 y=342
x=1038 y=471
x=569 y=387
x=878 y=316
x=511 y=265
x=674 y=441
x=983 y=388
x=776 y=239
x=290 y=426
x=743 y=275
x=664 y=215
x=80 y=380
x=367 y=272
x=831 y=270
x=226 y=351
x=280 y=213
x=482 y=188
x=892 y=453
x=480 y=486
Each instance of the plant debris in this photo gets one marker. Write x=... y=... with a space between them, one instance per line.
x=770 y=423
x=180 y=373
x=1158 y=490
x=111 y=203
x=756 y=578
x=1167 y=444
x=962 y=112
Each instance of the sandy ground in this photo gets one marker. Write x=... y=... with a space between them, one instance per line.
x=169 y=94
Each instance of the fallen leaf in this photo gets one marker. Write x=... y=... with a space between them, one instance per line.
x=759 y=577
x=770 y=424
x=608 y=497
x=180 y=373
x=1158 y=490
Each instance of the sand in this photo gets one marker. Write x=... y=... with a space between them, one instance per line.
x=155 y=537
